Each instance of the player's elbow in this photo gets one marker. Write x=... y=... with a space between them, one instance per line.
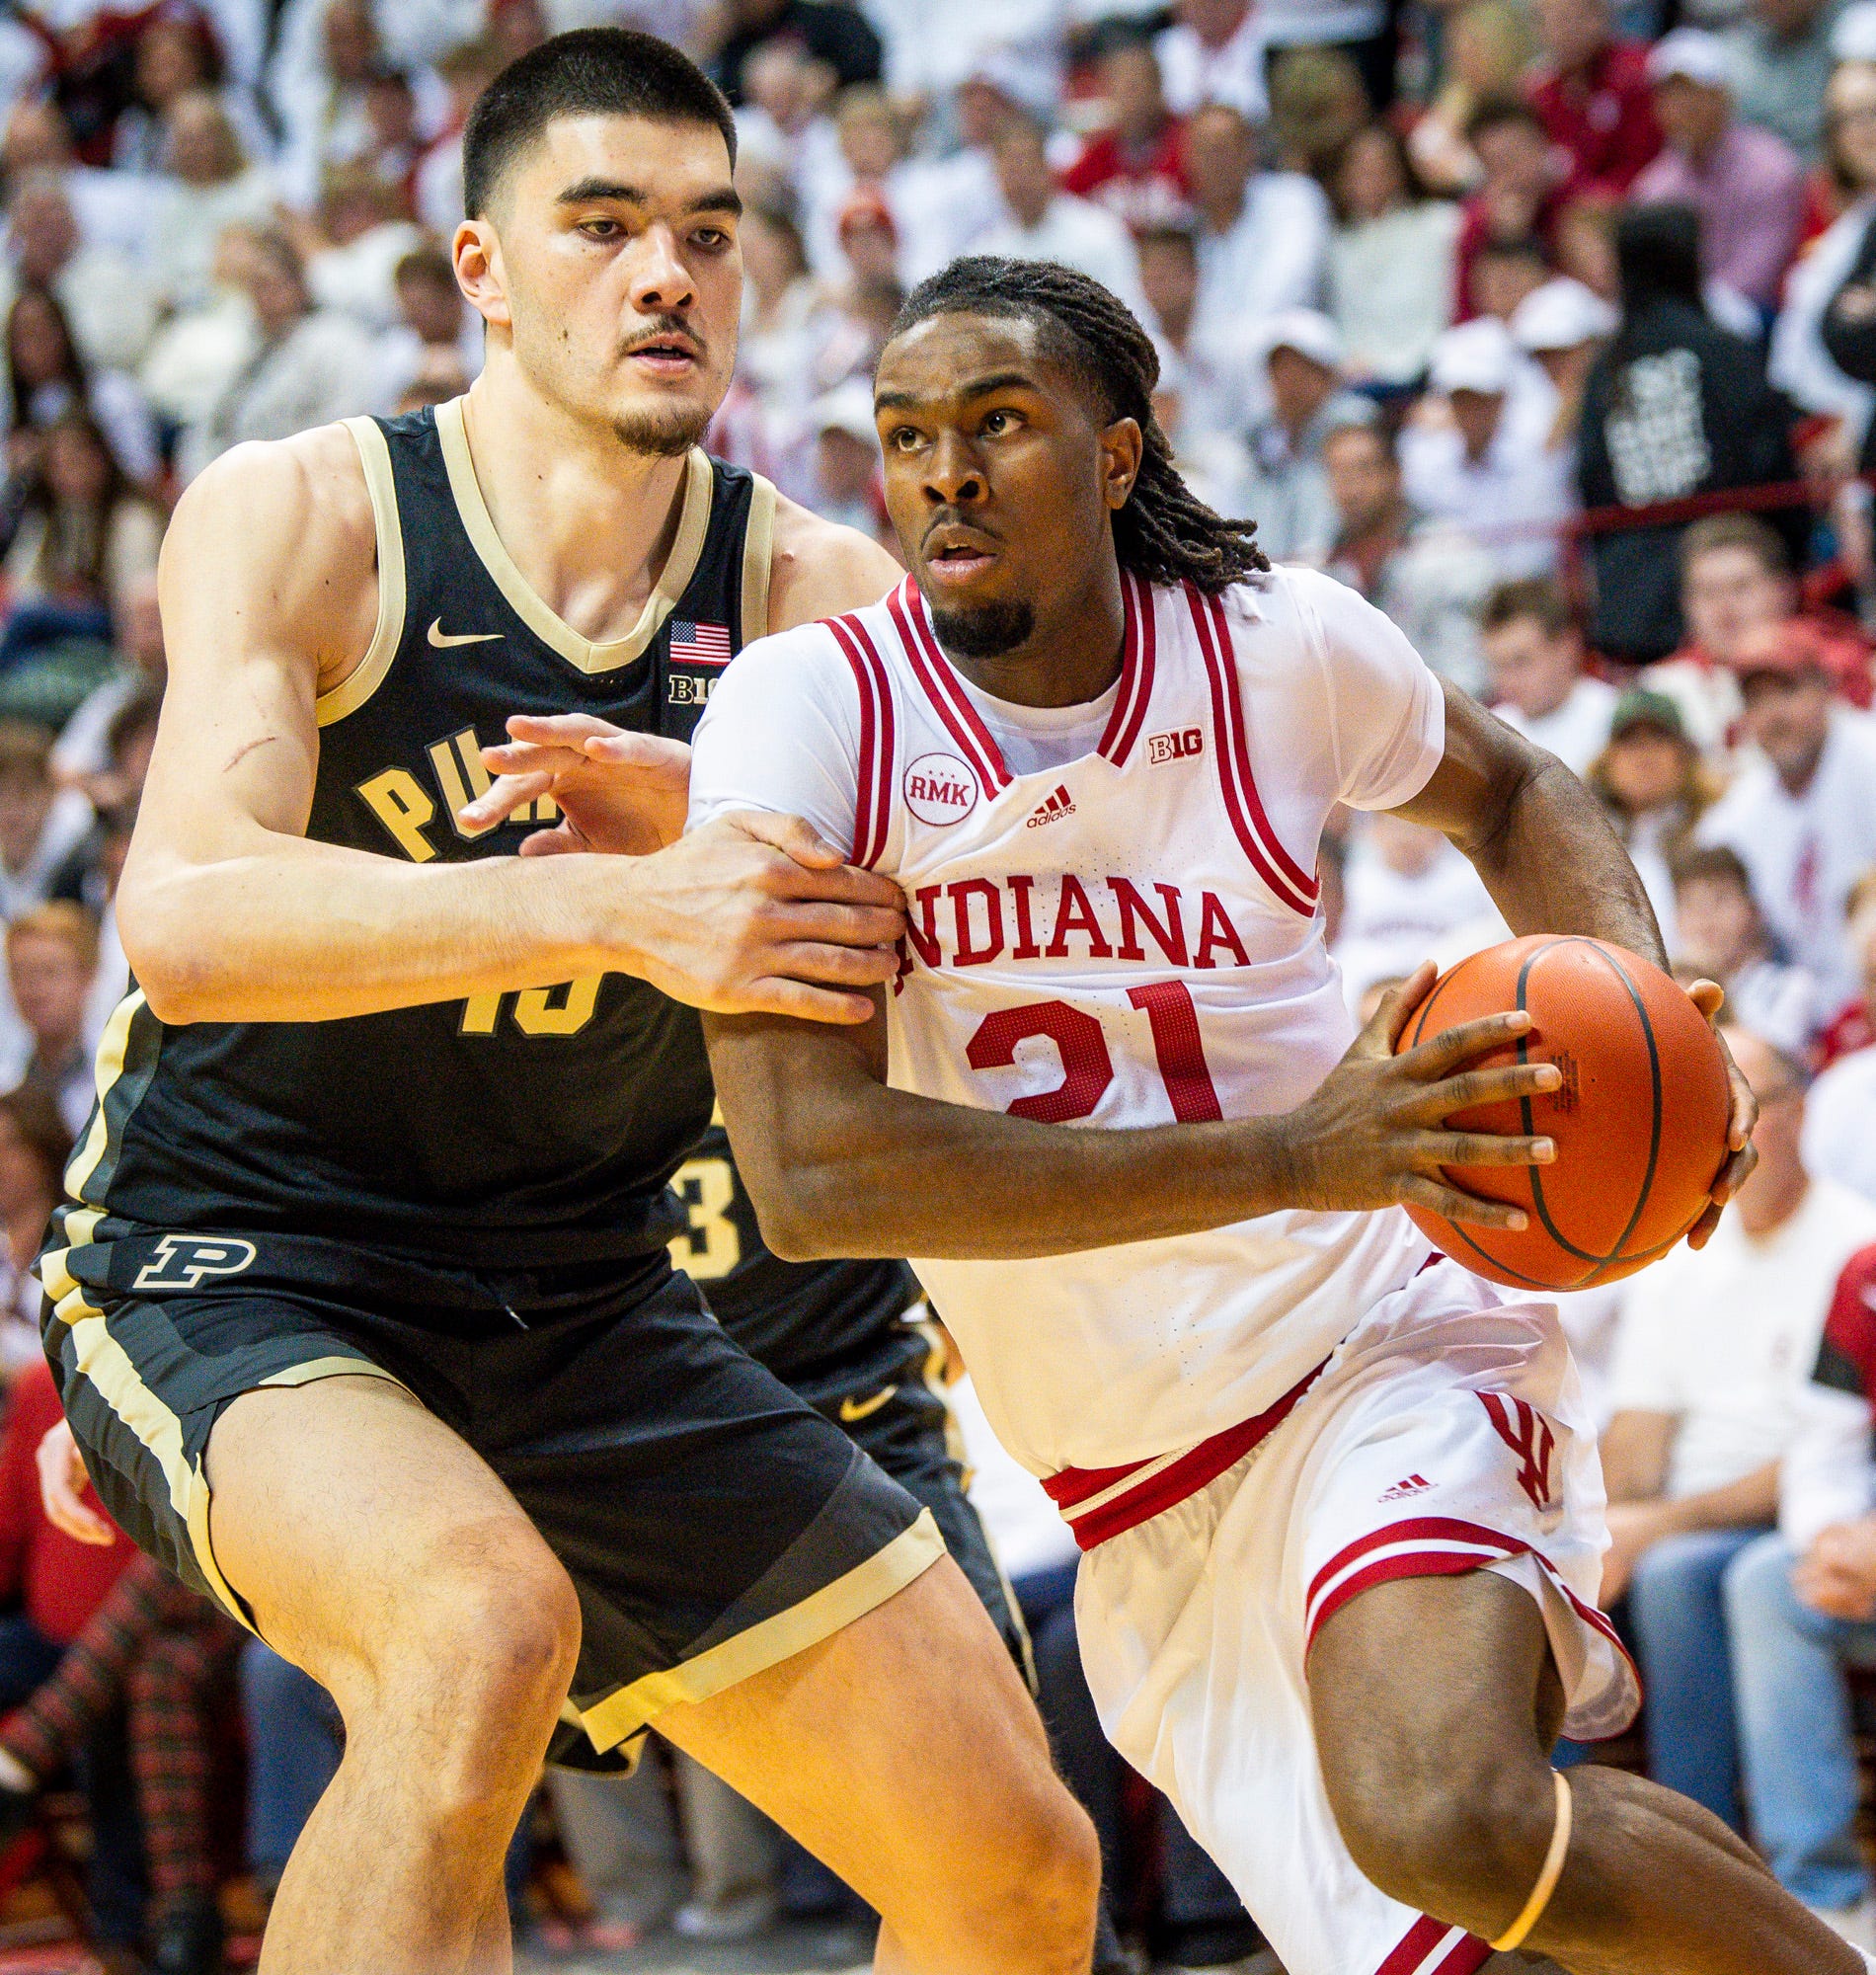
x=171 y=961
x=797 y=1199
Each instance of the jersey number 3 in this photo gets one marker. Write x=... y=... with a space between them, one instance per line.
x=1087 y=1066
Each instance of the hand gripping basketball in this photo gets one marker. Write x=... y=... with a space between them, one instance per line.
x=1642 y=1112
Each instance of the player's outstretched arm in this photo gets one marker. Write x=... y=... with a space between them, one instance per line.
x=1552 y=863
x=837 y=1163
x=230 y=912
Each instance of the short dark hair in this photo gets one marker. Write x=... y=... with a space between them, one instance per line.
x=590 y=72
x=1735 y=531
x=1535 y=598
x=1714 y=863
x=1163 y=533
x=1496 y=111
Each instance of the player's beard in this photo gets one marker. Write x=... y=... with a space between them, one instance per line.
x=985 y=632
x=667 y=434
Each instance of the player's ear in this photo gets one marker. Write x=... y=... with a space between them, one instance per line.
x=477 y=251
x=1120 y=449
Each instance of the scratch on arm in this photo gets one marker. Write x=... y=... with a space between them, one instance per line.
x=245 y=749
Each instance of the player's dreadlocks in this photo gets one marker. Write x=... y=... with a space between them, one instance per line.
x=1165 y=532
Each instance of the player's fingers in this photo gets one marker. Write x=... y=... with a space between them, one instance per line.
x=828 y=922
x=61 y=1490
x=804 y=1002
x=651 y=752
x=835 y=966
x=504 y=797
x=1733 y=1173
x=1395 y=1009
x=1701 y=1232
x=1465 y=1208
x=558 y=842
x=843 y=883
x=1451 y=1048
x=1502 y=1084
x=1489 y=1148
x=559 y=730
x=794 y=837
x=1745 y=1115
x=1706 y=996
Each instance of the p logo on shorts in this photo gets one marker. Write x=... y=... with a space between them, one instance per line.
x=182 y=1261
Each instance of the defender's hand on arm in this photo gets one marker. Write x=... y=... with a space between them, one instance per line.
x=63 y=1484
x=755 y=914
x=618 y=792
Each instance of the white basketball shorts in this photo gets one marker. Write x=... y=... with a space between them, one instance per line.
x=1446 y=1434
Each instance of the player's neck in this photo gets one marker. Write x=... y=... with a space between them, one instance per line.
x=589 y=524
x=1071 y=656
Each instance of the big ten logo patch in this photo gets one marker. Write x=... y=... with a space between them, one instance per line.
x=1532 y=1442
x=1180 y=746
x=689 y=688
x=940 y=789
x=185 y=1260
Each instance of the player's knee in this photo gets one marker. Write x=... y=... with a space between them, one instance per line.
x=1036 y=1895
x=1462 y=1839
x=503 y=1630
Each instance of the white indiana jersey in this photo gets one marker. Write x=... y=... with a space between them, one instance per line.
x=1129 y=938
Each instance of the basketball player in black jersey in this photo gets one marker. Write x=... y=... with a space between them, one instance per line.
x=362 y=1307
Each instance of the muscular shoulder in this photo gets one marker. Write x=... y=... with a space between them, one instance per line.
x=285 y=528
x=821 y=568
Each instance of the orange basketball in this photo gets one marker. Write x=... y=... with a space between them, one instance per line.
x=1639 y=1120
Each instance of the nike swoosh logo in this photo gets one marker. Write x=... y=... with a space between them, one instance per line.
x=858 y=1409
x=442 y=639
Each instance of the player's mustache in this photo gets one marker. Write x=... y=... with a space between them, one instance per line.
x=956 y=517
x=665 y=329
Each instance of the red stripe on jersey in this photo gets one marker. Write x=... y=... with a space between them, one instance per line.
x=1426 y=1530
x=873 y=806
x=1304 y=883
x=1421 y=1950
x=1149 y=648
x=1223 y=705
x=947 y=697
x=1137 y=672
x=868 y=768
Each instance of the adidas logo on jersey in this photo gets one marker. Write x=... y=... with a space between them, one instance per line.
x=1415 y=1484
x=1180 y=746
x=1058 y=806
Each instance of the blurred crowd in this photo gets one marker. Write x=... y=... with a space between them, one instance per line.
x=1548 y=325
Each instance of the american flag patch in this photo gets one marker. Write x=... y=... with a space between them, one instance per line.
x=699 y=644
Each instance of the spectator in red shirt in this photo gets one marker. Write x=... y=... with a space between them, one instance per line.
x=1592 y=92
x=52 y=1586
x=1134 y=166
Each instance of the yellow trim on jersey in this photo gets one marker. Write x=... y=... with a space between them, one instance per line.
x=817 y=1617
x=336 y=1365
x=693 y=524
x=112 y=1045
x=351 y=691
x=759 y=559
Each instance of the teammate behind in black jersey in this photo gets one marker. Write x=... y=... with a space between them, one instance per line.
x=468 y=1444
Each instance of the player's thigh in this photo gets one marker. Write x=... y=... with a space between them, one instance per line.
x=905 y=1747
x=1435 y=1701
x=367 y=1539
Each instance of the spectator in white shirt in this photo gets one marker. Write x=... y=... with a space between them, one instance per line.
x=1719 y=934
x=1286 y=485
x=1802 y=817
x=1391 y=260
x=40 y=824
x=1407 y=896
x=1428 y=576
x=1533 y=657
x=211 y=185
x=111 y=303
x=311 y=366
x=1214 y=53
x=1839 y=1132
x=1263 y=236
x=1654 y=787
x=1481 y=456
x=1219 y=385
x=52 y=956
x=1712 y=1361
x=46 y=377
x=1043 y=223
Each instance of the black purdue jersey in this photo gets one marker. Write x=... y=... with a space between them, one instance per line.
x=523 y=1129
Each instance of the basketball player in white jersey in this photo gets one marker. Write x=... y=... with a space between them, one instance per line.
x=1339 y=1499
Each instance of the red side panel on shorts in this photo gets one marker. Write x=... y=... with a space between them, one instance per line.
x=1432 y=1948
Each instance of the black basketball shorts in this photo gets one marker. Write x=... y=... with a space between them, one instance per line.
x=712 y=1521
